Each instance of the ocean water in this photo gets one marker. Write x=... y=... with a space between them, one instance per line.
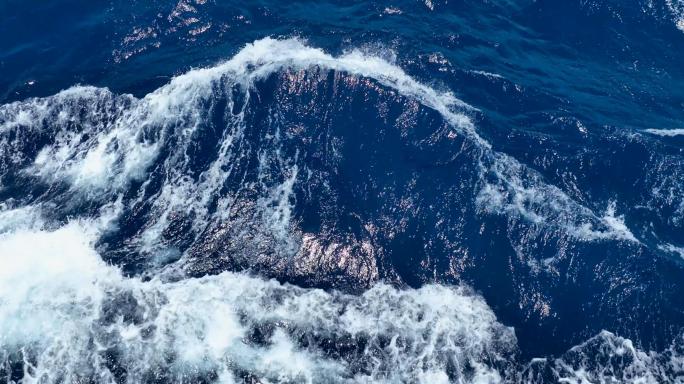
x=200 y=191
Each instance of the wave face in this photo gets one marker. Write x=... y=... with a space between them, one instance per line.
x=360 y=212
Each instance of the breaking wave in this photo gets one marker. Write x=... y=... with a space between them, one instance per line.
x=99 y=143
x=67 y=316
x=124 y=219
x=665 y=132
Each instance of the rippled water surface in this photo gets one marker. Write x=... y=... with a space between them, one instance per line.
x=428 y=192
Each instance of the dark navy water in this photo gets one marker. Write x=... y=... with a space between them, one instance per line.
x=399 y=192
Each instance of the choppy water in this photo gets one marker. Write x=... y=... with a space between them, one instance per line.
x=324 y=192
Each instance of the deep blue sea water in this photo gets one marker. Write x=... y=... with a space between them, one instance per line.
x=342 y=192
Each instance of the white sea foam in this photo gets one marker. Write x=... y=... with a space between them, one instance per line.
x=487 y=74
x=607 y=358
x=666 y=132
x=98 y=145
x=24 y=217
x=103 y=142
x=66 y=316
x=676 y=8
x=671 y=248
x=517 y=190
x=392 y=11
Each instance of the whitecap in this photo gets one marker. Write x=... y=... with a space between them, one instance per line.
x=666 y=132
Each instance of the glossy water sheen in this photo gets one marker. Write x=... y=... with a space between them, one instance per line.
x=392 y=192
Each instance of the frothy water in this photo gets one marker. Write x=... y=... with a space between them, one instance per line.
x=67 y=316
x=86 y=164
